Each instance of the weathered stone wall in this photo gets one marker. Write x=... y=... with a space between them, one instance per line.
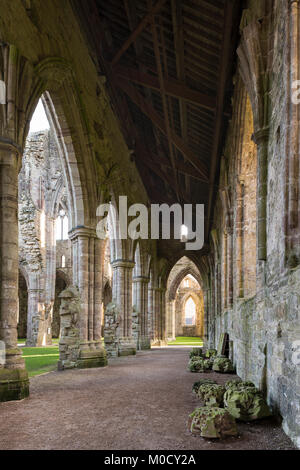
x=262 y=316
x=41 y=191
x=183 y=294
x=177 y=294
x=23 y=307
x=60 y=286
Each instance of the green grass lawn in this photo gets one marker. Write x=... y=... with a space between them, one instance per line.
x=40 y=360
x=23 y=340
x=186 y=341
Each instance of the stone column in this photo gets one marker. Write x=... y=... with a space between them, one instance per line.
x=141 y=303
x=14 y=383
x=87 y=255
x=240 y=240
x=171 y=320
x=292 y=232
x=156 y=314
x=206 y=317
x=163 y=323
x=151 y=313
x=122 y=296
x=50 y=273
x=160 y=317
x=230 y=266
x=225 y=273
x=261 y=138
x=35 y=315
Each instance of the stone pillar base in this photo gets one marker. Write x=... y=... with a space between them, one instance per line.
x=127 y=347
x=144 y=343
x=160 y=342
x=14 y=384
x=89 y=359
x=92 y=354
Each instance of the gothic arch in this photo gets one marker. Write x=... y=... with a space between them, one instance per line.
x=190 y=269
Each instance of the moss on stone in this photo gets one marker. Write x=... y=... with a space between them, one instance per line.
x=223 y=365
x=201 y=382
x=238 y=384
x=14 y=384
x=196 y=352
x=198 y=364
x=246 y=403
x=211 y=353
x=212 y=423
x=212 y=394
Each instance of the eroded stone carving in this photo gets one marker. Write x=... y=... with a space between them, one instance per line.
x=212 y=423
x=198 y=364
x=111 y=323
x=197 y=384
x=69 y=343
x=245 y=402
x=223 y=365
x=211 y=394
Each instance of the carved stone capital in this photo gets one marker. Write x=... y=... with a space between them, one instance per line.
x=82 y=232
x=143 y=279
x=261 y=136
x=122 y=263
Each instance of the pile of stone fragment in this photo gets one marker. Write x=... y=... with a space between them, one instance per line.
x=222 y=405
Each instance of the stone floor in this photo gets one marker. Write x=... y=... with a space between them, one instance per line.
x=138 y=402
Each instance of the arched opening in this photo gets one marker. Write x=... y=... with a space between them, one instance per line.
x=62 y=225
x=43 y=225
x=185 y=302
x=190 y=312
x=23 y=308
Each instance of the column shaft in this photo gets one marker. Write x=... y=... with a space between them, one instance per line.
x=14 y=382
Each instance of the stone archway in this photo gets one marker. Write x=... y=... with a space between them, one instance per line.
x=176 y=296
x=182 y=327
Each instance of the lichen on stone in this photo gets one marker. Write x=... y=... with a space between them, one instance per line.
x=196 y=352
x=238 y=384
x=211 y=353
x=198 y=364
x=212 y=423
x=212 y=394
x=246 y=403
x=200 y=382
x=223 y=365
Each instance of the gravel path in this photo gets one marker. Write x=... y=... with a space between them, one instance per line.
x=140 y=402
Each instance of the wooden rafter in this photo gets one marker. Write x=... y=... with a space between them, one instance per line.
x=174 y=88
x=227 y=29
x=133 y=36
x=177 y=23
x=163 y=97
x=151 y=113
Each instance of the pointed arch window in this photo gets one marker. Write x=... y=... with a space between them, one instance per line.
x=190 y=312
x=62 y=226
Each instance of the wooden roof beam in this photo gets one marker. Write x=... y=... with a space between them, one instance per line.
x=174 y=88
x=177 y=23
x=226 y=49
x=163 y=97
x=151 y=113
x=133 y=36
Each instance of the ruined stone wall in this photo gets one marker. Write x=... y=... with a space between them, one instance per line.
x=64 y=248
x=262 y=318
x=41 y=191
x=183 y=294
x=23 y=307
x=176 y=295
